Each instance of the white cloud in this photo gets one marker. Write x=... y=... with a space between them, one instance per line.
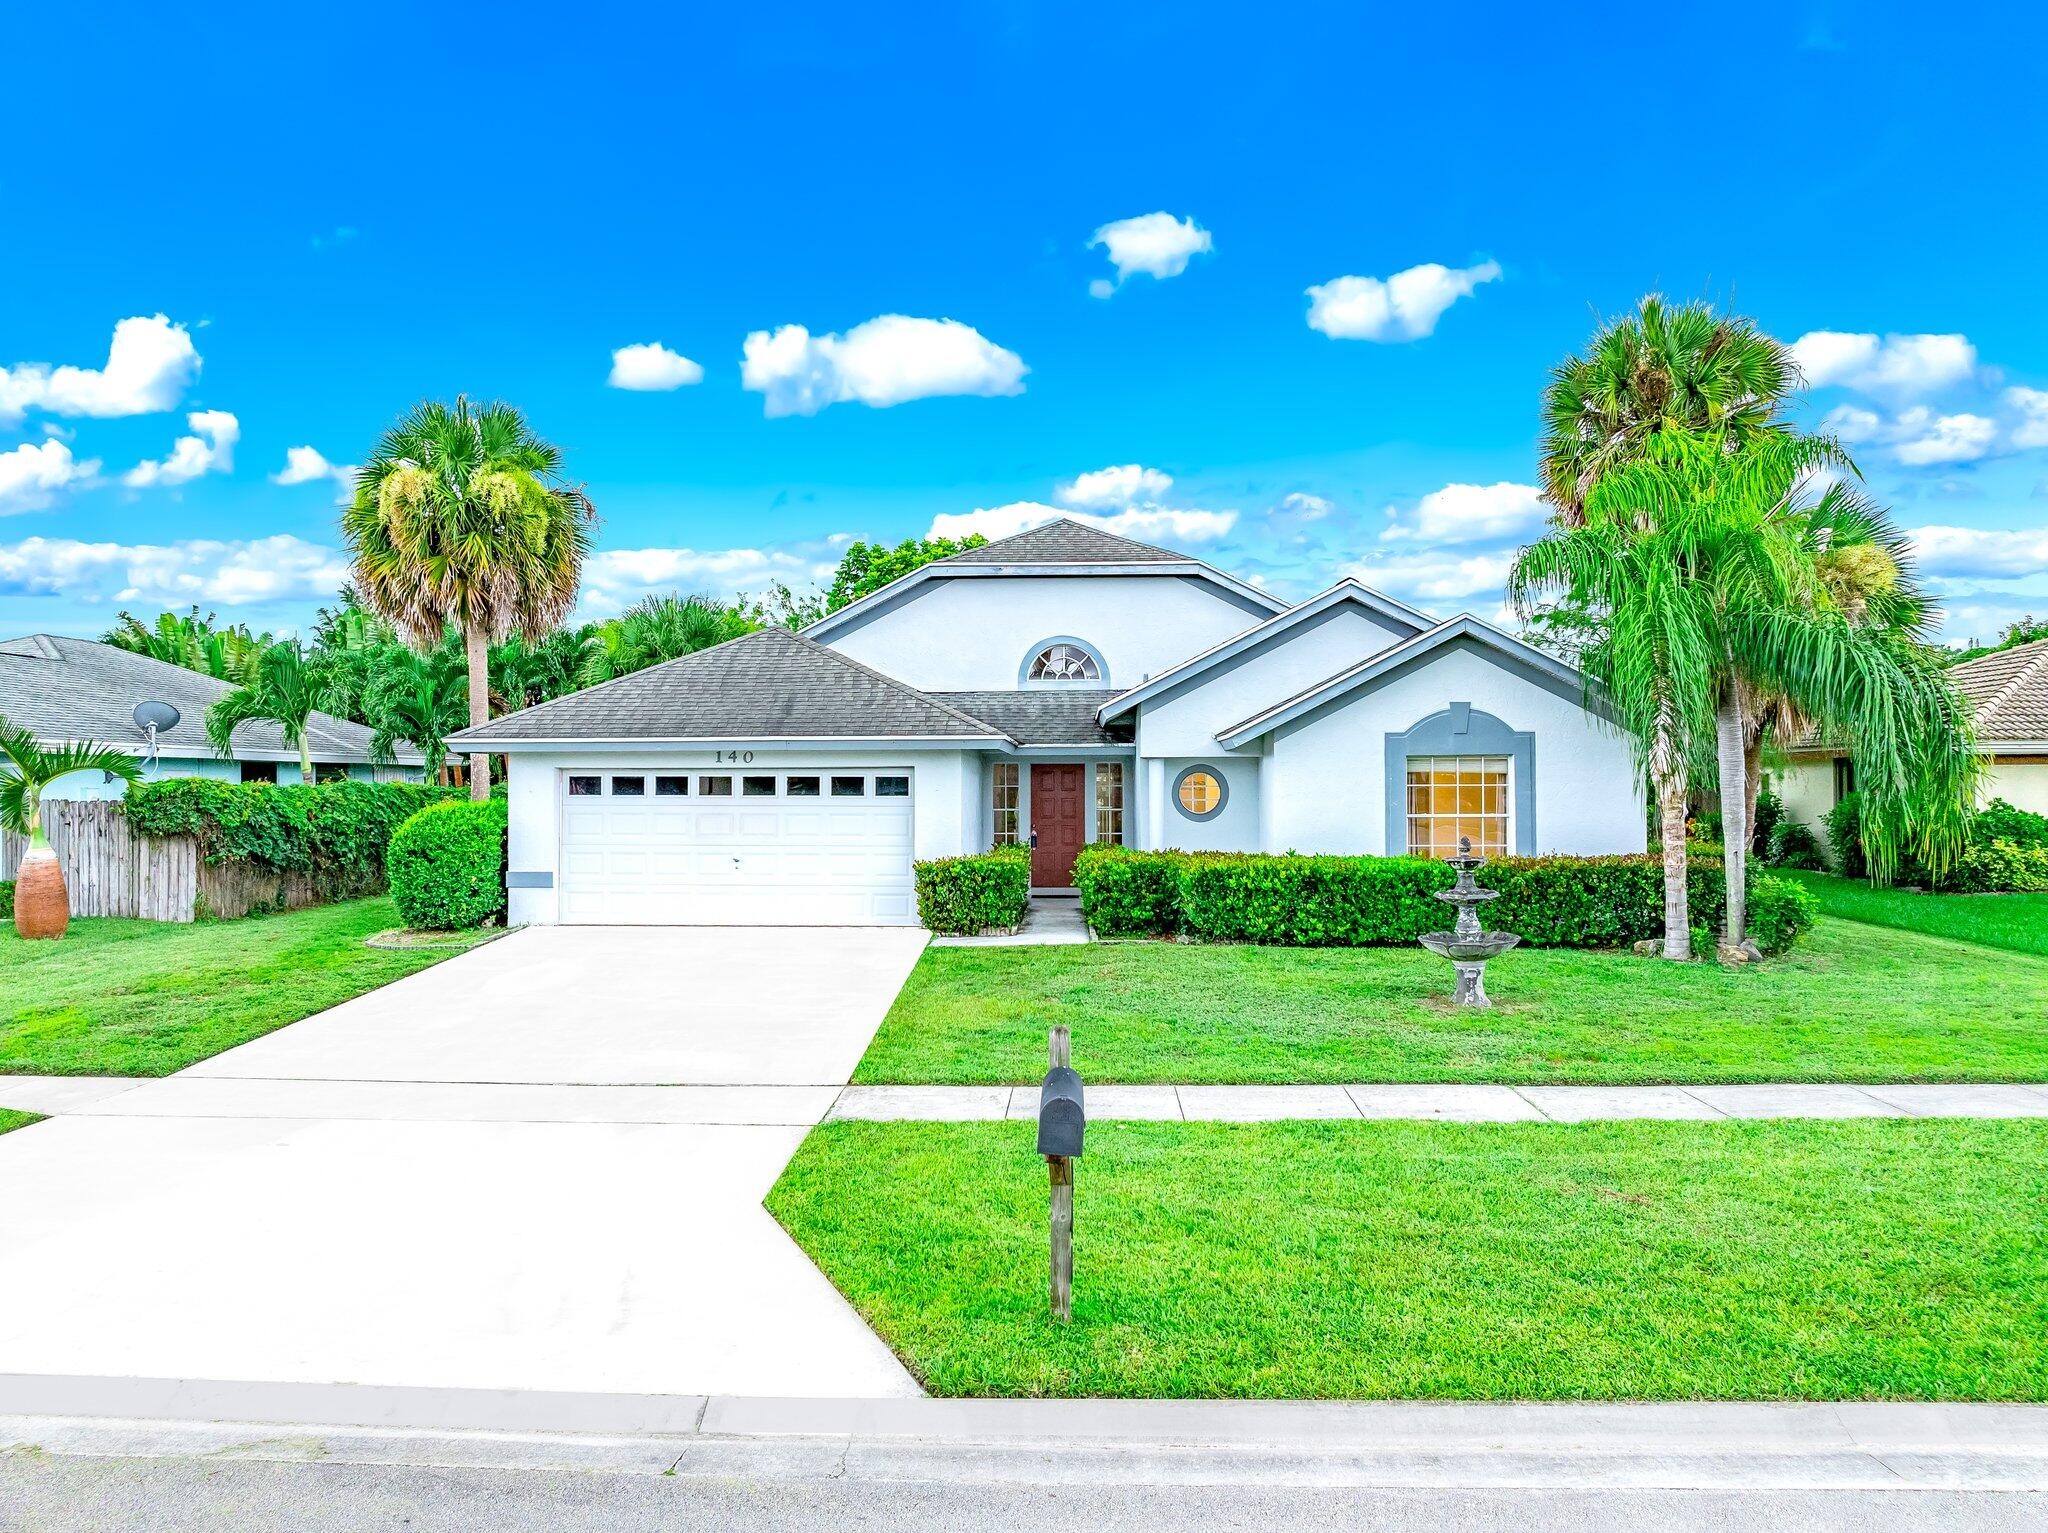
x=209 y=450
x=1853 y=423
x=1403 y=307
x=1154 y=244
x=150 y=361
x=1148 y=524
x=1893 y=366
x=228 y=572
x=1471 y=513
x=1427 y=576
x=652 y=368
x=1119 y=485
x=2032 y=408
x=1979 y=552
x=1303 y=507
x=32 y=474
x=615 y=577
x=889 y=360
x=1920 y=437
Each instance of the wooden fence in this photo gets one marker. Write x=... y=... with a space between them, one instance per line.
x=110 y=870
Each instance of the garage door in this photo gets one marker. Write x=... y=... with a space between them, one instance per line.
x=812 y=848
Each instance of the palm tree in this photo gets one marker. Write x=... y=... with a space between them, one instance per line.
x=285 y=690
x=1681 y=367
x=203 y=644
x=525 y=672
x=460 y=518
x=421 y=699
x=42 y=905
x=658 y=628
x=1704 y=568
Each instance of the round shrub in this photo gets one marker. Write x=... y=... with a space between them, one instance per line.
x=447 y=866
x=1792 y=845
x=1780 y=912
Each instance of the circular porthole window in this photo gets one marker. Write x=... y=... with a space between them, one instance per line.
x=1200 y=792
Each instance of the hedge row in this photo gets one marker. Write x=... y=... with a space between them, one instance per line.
x=964 y=896
x=336 y=831
x=7 y=900
x=1301 y=901
x=447 y=866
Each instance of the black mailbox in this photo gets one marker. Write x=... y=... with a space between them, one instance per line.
x=1061 y=1117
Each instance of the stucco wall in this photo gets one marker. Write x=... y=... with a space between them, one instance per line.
x=1185 y=722
x=945 y=788
x=1236 y=829
x=975 y=634
x=2022 y=783
x=1325 y=779
x=1806 y=786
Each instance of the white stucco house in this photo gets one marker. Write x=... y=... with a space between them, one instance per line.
x=1059 y=687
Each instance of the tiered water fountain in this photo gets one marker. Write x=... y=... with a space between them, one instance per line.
x=1466 y=944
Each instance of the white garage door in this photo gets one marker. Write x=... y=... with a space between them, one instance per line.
x=810 y=848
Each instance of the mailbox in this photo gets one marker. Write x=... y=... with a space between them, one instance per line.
x=1061 y=1116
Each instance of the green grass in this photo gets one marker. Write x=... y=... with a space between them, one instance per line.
x=1852 y=1003
x=118 y=997
x=11 y=1120
x=1767 y=1260
x=2017 y=922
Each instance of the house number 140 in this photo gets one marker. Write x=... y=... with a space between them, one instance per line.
x=732 y=758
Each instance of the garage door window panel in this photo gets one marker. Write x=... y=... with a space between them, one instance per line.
x=629 y=787
x=757 y=787
x=801 y=787
x=849 y=787
x=892 y=787
x=671 y=787
x=715 y=787
x=585 y=787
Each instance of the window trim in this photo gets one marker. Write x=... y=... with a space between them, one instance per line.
x=1222 y=792
x=1033 y=652
x=1462 y=730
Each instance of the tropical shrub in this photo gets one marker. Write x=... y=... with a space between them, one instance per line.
x=1845 y=836
x=1793 y=845
x=1292 y=900
x=1780 y=912
x=965 y=896
x=2000 y=821
x=336 y=831
x=447 y=866
x=1770 y=814
x=2002 y=867
x=7 y=900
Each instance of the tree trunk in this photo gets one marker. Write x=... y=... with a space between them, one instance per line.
x=1733 y=774
x=42 y=905
x=1667 y=770
x=476 y=647
x=305 y=759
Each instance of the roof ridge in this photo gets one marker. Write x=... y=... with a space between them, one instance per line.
x=1067 y=520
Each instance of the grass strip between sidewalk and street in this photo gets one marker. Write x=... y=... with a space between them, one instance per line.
x=11 y=1120
x=1641 y=1260
x=1853 y=1002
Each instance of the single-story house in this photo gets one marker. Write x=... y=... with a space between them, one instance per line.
x=1055 y=688
x=2007 y=691
x=77 y=689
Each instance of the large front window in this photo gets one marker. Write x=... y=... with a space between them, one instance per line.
x=1457 y=796
x=1003 y=802
x=1109 y=803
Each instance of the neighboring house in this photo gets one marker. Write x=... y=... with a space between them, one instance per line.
x=75 y=689
x=2008 y=694
x=1059 y=687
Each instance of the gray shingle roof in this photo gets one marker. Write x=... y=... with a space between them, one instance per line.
x=78 y=689
x=768 y=685
x=1038 y=716
x=1064 y=542
x=2008 y=691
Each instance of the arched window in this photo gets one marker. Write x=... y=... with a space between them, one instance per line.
x=1064 y=660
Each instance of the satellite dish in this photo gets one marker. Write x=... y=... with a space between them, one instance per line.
x=156 y=717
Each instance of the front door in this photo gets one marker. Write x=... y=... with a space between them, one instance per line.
x=1059 y=804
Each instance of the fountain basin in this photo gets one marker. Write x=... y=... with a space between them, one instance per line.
x=1466 y=949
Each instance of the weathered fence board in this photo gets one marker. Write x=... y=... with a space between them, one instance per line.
x=111 y=871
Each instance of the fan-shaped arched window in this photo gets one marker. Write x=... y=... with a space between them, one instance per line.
x=1064 y=661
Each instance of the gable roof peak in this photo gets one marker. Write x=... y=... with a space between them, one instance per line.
x=1066 y=540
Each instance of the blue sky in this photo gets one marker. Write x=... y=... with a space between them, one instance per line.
x=338 y=213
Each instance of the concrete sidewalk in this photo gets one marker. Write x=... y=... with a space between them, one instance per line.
x=1454 y=1103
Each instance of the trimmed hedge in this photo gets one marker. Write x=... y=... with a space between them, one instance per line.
x=336 y=831
x=1780 y=912
x=7 y=900
x=447 y=866
x=965 y=896
x=1301 y=901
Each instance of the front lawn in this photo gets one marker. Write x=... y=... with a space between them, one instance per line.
x=2015 y=921
x=1644 y=1260
x=120 y=997
x=1852 y=1003
x=11 y=1120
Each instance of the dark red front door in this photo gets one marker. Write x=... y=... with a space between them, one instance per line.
x=1059 y=800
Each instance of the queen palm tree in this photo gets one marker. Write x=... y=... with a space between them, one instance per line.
x=1704 y=570
x=1663 y=367
x=285 y=690
x=419 y=699
x=460 y=518
x=42 y=905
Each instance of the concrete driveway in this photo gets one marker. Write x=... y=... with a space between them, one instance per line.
x=538 y=1165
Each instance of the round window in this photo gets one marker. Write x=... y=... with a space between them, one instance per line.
x=1200 y=792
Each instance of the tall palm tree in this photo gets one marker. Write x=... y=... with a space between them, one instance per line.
x=42 y=905
x=461 y=518
x=658 y=628
x=1663 y=367
x=285 y=689
x=420 y=699
x=1704 y=569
